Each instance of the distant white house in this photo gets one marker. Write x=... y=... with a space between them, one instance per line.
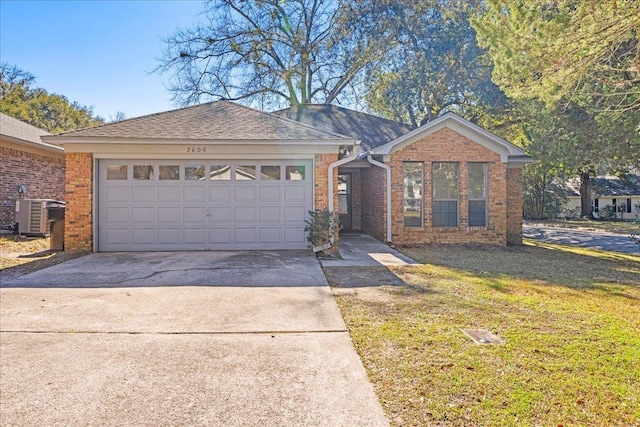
x=607 y=192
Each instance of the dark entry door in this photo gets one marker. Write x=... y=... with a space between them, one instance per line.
x=345 y=202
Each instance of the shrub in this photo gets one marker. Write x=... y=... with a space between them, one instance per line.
x=322 y=230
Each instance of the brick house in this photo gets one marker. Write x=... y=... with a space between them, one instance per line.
x=27 y=161
x=223 y=176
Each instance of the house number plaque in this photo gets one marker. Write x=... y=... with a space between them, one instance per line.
x=196 y=149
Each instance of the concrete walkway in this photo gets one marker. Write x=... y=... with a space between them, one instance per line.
x=172 y=339
x=362 y=250
x=582 y=238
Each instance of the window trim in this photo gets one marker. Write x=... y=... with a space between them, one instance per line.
x=486 y=195
x=434 y=200
x=421 y=199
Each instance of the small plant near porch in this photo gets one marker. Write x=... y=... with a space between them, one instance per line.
x=322 y=231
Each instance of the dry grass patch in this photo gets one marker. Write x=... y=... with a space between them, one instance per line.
x=20 y=255
x=570 y=318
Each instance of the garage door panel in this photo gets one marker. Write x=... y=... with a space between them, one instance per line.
x=143 y=236
x=245 y=193
x=243 y=214
x=194 y=235
x=221 y=236
x=142 y=215
x=295 y=193
x=169 y=214
x=117 y=193
x=245 y=235
x=161 y=212
x=271 y=193
x=116 y=215
x=220 y=194
x=193 y=193
x=194 y=215
x=270 y=235
x=169 y=236
x=169 y=193
x=294 y=213
x=143 y=194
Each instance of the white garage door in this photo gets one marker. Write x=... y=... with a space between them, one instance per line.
x=203 y=205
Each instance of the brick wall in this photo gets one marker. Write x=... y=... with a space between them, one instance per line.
x=374 y=215
x=79 y=210
x=321 y=180
x=514 y=206
x=447 y=145
x=42 y=174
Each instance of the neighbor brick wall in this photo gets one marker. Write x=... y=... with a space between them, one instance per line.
x=79 y=210
x=514 y=206
x=42 y=174
x=447 y=145
x=374 y=196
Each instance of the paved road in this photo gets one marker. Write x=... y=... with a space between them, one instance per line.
x=586 y=239
x=180 y=339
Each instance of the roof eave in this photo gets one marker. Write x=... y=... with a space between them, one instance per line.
x=181 y=141
x=41 y=145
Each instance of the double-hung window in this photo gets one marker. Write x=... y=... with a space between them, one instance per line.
x=477 y=194
x=412 y=193
x=445 y=194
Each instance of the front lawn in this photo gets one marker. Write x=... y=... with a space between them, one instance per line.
x=570 y=318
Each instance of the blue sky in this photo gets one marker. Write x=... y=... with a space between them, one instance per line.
x=98 y=53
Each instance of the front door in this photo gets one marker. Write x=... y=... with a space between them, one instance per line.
x=345 y=202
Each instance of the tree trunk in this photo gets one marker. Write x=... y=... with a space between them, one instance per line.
x=585 y=195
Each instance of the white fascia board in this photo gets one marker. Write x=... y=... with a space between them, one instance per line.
x=459 y=125
x=41 y=145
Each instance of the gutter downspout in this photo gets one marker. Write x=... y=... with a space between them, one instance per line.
x=387 y=168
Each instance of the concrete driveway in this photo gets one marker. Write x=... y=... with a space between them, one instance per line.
x=582 y=238
x=205 y=338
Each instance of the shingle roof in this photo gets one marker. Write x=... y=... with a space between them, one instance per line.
x=15 y=128
x=371 y=130
x=220 y=120
x=606 y=185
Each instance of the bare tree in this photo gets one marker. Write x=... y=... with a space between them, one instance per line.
x=278 y=52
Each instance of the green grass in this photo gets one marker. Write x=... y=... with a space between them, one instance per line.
x=570 y=318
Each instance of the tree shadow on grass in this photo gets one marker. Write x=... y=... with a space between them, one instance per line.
x=538 y=263
x=41 y=260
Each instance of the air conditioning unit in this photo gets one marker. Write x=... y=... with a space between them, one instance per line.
x=32 y=217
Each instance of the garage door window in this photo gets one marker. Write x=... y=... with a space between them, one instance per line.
x=116 y=172
x=194 y=172
x=245 y=173
x=270 y=173
x=170 y=173
x=220 y=173
x=295 y=173
x=142 y=172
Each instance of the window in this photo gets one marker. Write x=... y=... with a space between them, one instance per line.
x=596 y=205
x=245 y=173
x=194 y=172
x=116 y=172
x=628 y=205
x=412 y=193
x=220 y=173
x=143 y=172
x=477 y=187
x=171 y=173
x=270 y=173
x=445 y=194
x=295 y=173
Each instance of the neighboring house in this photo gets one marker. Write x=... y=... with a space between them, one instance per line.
x=224 y=176
x=27 y=162
x=622 y=196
